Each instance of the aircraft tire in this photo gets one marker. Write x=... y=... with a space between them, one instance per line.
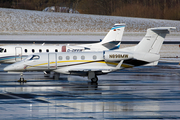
x=56 y=76
x=94 y=80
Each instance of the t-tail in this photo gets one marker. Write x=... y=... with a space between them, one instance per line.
x=152 y=43
x=153 y=40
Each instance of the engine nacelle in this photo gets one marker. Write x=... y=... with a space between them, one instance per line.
x=149 y=57
x=117 y=55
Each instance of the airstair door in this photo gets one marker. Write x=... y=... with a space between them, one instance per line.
x=52 y=61
x=18 y=54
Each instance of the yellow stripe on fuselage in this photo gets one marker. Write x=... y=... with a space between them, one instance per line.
x=126 y=66
x=74 y=61
x=83 y=61
x=88 y=61
x=37 y=65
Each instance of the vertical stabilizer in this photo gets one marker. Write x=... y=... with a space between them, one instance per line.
x=114 y=36
x=153 y=40
x=111 y=41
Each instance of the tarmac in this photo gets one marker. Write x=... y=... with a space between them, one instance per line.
x=135 y=93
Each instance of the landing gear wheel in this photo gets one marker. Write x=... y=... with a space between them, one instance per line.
x=56 y=76
x=94 y=80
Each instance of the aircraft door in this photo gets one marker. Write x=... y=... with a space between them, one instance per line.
x=18 y=54
x=52 y=61
x=63 y=49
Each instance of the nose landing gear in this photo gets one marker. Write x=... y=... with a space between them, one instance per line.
x=21 y=80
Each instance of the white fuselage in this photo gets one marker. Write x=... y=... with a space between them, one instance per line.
x=93 y=63
x=15 y=53
x=82 y=62
x=63 y=62
x=11 y=54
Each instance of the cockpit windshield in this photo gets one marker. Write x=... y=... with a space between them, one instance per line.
x=33 y=57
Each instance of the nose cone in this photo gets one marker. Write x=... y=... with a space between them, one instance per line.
x=9 y=68
x=16 y=67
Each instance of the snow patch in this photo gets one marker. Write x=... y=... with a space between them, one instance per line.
x=14 y=20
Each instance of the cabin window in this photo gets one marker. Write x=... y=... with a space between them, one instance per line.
x=33 y=50
x=94 y=57
x=1 y=49
x=47 y=50
x=40 y=50
x=60 y=57
x=56 y=50
x=67 y=57
x=35 y=57
x=83 y=57
x=25 y=50
x=75 y=57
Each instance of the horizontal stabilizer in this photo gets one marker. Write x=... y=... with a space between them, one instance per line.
x=163 y=29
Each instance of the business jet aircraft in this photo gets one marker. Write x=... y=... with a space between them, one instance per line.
x=11 y=54
x=94 y=63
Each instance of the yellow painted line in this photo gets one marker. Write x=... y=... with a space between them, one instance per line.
x=37 y=65
x=88 y=61
x=73 y=61
x=109 y=63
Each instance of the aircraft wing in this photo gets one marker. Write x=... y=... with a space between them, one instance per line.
x=97 y=71
x=94 y=70
x=112 y=45
x=103 y=70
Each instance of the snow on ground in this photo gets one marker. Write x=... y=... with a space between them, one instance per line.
x=14 y=21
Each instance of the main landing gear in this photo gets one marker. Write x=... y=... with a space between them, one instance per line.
x=56 y=76
x=94 y=80
x=92 y=76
